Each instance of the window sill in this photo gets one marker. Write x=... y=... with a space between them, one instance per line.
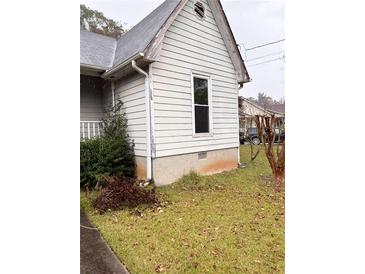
x=203 y=135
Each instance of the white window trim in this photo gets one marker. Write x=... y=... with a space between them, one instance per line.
x=210 y=104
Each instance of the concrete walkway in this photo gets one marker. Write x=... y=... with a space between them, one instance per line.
x=95 y=255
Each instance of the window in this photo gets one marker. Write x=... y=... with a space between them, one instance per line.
x=201 y=110
x=199 y=9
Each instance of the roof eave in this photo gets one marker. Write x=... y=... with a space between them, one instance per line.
x=92 y=67
x=91 y=70
x=243 y=76
x=246 y=79
x=152 y=50
x=262 y=108
x=117 y=68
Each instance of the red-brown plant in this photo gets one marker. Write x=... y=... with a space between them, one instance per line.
x=270 y=129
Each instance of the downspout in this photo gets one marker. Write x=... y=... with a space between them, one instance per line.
x=148 y=118
x=113 y=93
x=239 y=125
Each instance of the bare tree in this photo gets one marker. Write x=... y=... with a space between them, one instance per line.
x=270 y=129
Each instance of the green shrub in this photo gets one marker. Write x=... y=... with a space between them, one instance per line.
x=112 y=154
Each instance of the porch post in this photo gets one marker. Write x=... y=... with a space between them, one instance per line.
x=113 y=93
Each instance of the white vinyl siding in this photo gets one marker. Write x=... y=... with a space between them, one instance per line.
x=91 y=105
x=130 y=90
x=193 y=46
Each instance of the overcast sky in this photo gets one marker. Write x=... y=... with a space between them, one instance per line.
x=254 y=22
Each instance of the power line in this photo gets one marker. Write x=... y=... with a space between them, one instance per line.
x=264 y=45
x=267 y=44
x=268 y=61
x=263 y=56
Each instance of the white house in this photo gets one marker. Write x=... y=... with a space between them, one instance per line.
x=177 y=72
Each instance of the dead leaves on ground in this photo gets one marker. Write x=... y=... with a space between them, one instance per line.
x=159 y=268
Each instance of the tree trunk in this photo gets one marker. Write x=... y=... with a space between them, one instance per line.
x=266 y=127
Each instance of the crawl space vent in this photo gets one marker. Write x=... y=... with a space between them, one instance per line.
x=202 y=155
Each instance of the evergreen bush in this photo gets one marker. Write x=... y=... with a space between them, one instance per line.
x=111 y=154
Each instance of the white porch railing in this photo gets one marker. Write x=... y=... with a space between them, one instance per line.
x=90 y=129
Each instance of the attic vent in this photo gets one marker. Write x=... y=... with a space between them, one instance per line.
x=199 y=9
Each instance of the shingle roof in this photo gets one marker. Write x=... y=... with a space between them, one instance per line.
x=139 y=37
x=103 y=51
x=96 y=49
x=107 y=53
x=278 y=108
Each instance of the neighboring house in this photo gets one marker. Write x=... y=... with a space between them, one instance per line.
x=278 y=108
x=249 y=109
x=177 y=72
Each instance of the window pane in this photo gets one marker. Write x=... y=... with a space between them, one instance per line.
x=201 y=119
x=200 y=91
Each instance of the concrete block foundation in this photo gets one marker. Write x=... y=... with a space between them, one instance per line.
x=141 y=167
x=167 y=170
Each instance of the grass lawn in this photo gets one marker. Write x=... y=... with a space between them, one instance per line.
x=232 y=222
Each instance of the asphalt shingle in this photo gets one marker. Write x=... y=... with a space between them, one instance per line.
x=103 y=51
x=138 y=38
x=96 y=49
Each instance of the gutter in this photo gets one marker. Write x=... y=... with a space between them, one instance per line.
x=148 y=118
x=93 y=67
x=121 y=65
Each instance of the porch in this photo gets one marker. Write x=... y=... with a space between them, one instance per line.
x=90 y=129
x=92 y=105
